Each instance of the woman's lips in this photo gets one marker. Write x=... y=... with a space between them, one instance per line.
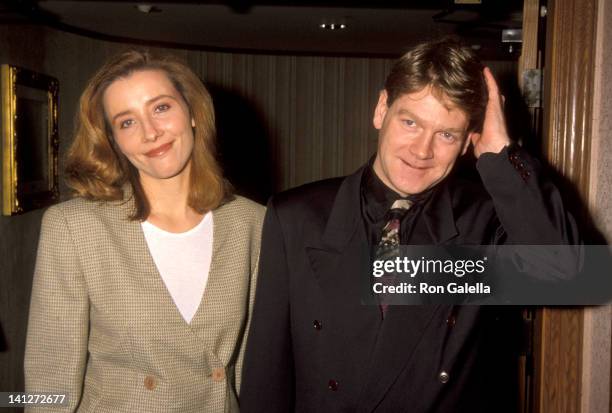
x=159 y=151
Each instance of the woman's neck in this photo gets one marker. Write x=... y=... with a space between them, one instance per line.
x=169 y=209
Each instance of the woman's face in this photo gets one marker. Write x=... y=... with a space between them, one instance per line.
x=151 y=124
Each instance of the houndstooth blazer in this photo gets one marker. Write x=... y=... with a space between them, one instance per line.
x=104 y=329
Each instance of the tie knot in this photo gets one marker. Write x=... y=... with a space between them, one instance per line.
x=398 y=209
x=402 y=204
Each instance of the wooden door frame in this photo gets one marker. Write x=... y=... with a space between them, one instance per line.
x=569 y=78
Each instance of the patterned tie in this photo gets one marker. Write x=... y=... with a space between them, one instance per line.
x=389 y=245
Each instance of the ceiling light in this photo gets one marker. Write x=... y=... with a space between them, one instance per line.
x=147 y=8
x=332 y=26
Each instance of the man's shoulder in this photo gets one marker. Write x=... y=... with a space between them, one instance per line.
x=469 y=196
x=311 y=198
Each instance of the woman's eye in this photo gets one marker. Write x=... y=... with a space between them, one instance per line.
x=126 y=123
x=162 y=108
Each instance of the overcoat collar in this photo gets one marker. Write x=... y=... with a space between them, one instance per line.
x=345 y=217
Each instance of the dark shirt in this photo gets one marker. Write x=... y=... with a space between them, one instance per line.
x=376 y=200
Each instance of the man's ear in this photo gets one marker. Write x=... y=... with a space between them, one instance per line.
x=381 y=110
x=469 y=139
x=192 y=122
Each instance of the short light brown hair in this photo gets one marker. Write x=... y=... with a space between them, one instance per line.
x=96 y=169
x=450 y=68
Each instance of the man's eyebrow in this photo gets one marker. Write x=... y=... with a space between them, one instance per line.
x=148 y=102
x=406 y=112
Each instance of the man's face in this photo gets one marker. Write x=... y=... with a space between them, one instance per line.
x=420 y=137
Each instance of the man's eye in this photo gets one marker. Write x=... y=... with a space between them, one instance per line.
x=162 y=108
x=448 y=136
x=126 y=123
x=409 y=122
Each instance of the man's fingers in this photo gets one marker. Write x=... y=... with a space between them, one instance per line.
x=491 y=84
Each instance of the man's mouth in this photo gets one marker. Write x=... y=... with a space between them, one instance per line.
x=413 y=166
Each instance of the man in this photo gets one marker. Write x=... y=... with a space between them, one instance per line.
x=313 y=346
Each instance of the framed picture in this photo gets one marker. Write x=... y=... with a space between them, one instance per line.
x=29 y=139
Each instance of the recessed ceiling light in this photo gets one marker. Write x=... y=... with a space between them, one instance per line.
x=332 y=26
x=147 y=8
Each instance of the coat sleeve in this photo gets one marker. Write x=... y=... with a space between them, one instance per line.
x=57 y=334
x=527 y=203
x=545 y=238
x=268 y=372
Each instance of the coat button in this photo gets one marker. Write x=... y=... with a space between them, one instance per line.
x=317 y=325
x=218 y=374
x=150 y=383
x=332 y=385
x=450 y=321
x=443 y=377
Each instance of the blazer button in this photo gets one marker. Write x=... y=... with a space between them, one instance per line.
x=443 y=377
x=150 y=383
x=332 y=385
x=450 y=321
x=218 y=374
x=317 y=325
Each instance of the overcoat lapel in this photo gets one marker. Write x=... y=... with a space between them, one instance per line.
x=340 y=258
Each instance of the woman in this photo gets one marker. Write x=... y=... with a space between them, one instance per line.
x=144 y=282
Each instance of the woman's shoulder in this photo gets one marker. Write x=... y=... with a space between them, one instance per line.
x=68 y=209
x=243 y=207
x=79 y=211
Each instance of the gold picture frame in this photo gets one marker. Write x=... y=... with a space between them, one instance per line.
x=28 y=105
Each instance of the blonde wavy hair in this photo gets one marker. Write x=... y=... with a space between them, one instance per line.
x=97 y=170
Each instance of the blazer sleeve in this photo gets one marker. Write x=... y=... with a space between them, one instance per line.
x=56 y=344
x=268 y=372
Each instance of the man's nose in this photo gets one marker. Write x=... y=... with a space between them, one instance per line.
x=422 y=146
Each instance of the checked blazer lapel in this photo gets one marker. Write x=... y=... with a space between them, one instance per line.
x=214 y=318
x=211 y=319
x=137 y=260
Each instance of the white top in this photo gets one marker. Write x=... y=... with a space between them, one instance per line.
x=183 y=261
